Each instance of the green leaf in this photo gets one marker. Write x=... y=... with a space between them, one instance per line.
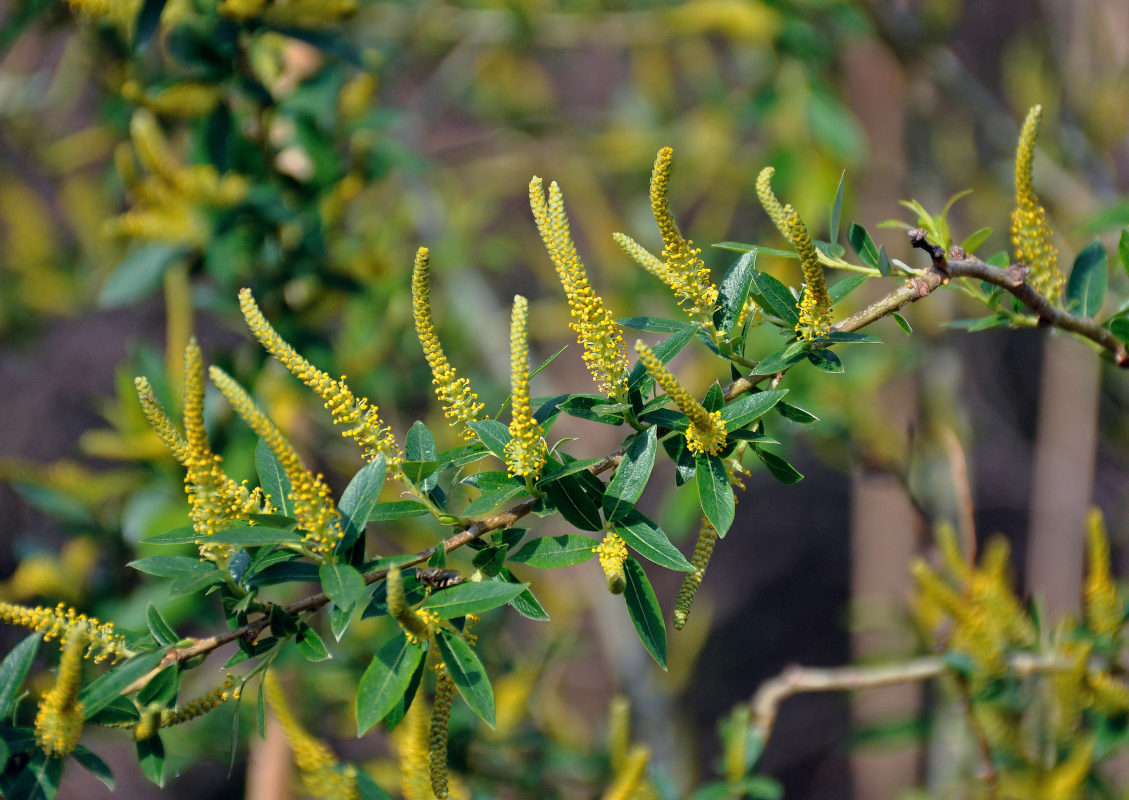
x=1123 y=248
x=977 y=238
x=194 y=582
x=459 y=456
x=397 y=509
x=359 y=499
x=568 y=469
x=665 y=350
x=745 y=409
x=654 y=324
x=650 y=541
x=781 y=359
x=90 y=761
x=139 y=274
x=493 y=434
x=393 y=718
x=551 y=552
x=825 y=360
x=733 y=291
x=419 y=444
x=490 y=500
x=715 y=493
x=568 y=496
x=632 y=475
x=593 y=407
x=532 y=374
x=147 y=23
x=272 y=479
x=903 y=323
x=386 y=679
x=883 y=261
x=39 y=779
x=1119 y=327
x=776 y=298
x=472 y=597
x=1085 y=289
x=161 y=630
x=863 y=245
x=468 y=674
x=13 y=671
x=171 y=566
x=310 y=644
x=368 y=789
x=343 y=584
x=780 y=469
x=739 y=247
x=837 y=209
x=644 y=611
x=849 y=337
x=796 y=414
x=151 y=757
x=844 y=287
x=418 y=471
x=185 y=534
x=525 y=603
x=245 y=535
x=161 y=688
x=104 y=689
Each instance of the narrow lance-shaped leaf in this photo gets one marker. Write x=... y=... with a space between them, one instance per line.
x=468 y=675
x=715 y=493
x=644 y=611
x=632 y=474
x=386 y=679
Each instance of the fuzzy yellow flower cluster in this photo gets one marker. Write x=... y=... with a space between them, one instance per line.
x=771 y=205
x=121 y=13
x=65 y=575
x=215 y=499
x=185 y=99
x=359 y=417
x=58 y=723
x=703 y=550
x=595 y=328
x=612 y=553
x=201 y=705
x=1030 y=233
x=525 y=451
x=988 y=620
x=685 y=273
x=103 y=641
x=460 y=404
x=295 y=13
x=706 y=433
x=168 y=204
x=815 y=305
x=318 y=767
x=628 y=761
x=1104 y=605
x=437 y=732
x=314 y=509
x=416 y=624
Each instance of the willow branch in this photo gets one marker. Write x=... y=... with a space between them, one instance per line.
x=250 y=632
x=795 y=680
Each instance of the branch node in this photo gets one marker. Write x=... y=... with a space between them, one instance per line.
x=919 y=239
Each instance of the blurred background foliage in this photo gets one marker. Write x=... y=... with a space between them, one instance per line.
x=156 y=156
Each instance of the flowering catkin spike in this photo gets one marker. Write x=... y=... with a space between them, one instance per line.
x=771 y=205
x=159 y=420
x=104 y=641
x=703 y=549
x=815 y=305
x=629 y=781
x=612 y=552
x=1030 y=233
x=437 y=735
x=595 y=328
x=706 y=433
x=58 y=724
x=411 y=738
x=317 y=765
x=619 y=731
x=689 y=278
x=737 y=744
x=315 y=511
x=201 y=705
x=525 y=452
x=460 y=404
x=413 y=623
x=358 y=416
x=1105 y=609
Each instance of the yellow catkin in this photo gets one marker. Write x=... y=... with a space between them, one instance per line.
x=411 y=738
x=612 y=553
x=58 y=723
x=691 y=278
x=186 y=99
x=703 y=549
x=1070 y=692
x=1067 y=781
x=1111 y=695
x=357 y=416
x=1105 y=608
x=460 y=404
x=201 y=705
x=1030 y=233
x=706 y=433
x=954 y=560
x=160 y=421
x=314 y=509
x=630 y=779
x=103 y=641
x=596 y=329
x=815 y=305
x=619 y=731
x=415 y=625
x=525 y=452
x=771 y=205
x=317 y=765
x=437 y=732
x=736 y=744
x=121 y=13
